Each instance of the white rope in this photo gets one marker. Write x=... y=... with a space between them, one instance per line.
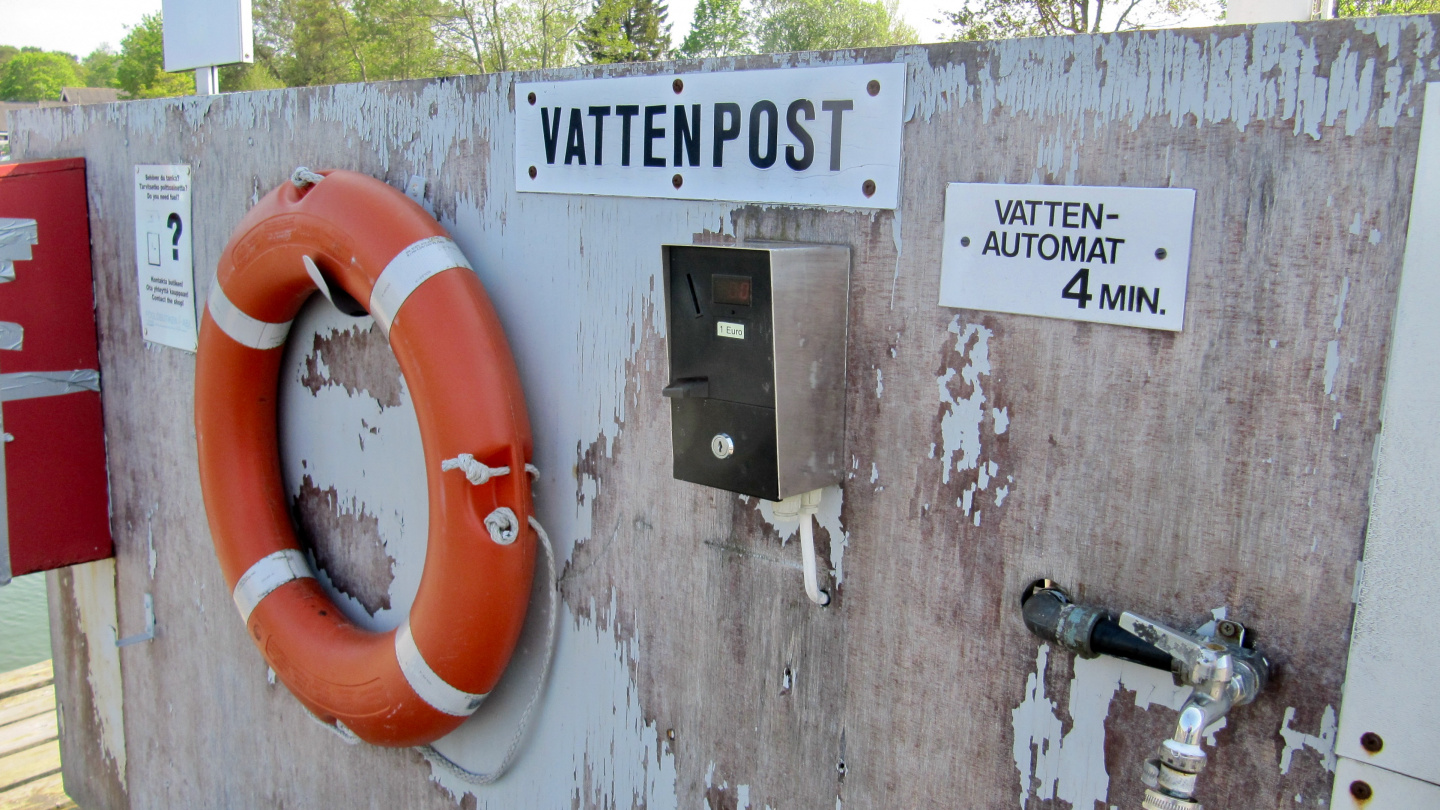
x=439 y=760
x=475 y=471
x=303 y=177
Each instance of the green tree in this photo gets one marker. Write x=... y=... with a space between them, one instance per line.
x=36 y=76
x=818 y=25
x=308 y=42
x=7 y=52
x=719 y=29
x=625 y=31
x=99 y=67
x=140 y=71
x=1375 y=8
x=1006 y=19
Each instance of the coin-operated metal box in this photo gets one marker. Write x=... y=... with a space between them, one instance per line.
x=756 y=337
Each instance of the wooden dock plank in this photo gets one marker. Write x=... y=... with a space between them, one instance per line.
x=41 y=794
x=27 y=704
x=26 y=678
x=28 y=765
x=27 y=733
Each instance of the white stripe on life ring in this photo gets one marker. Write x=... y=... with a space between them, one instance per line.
x=267 y=574
x=242 y=328
x=409 y=269
x=427 y=684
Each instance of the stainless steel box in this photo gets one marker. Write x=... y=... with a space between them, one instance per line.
x=756 y=338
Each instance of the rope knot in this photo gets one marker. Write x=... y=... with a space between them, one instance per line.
x=476 y=472
x=303 y=177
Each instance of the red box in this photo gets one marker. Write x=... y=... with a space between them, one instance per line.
x=57 y=502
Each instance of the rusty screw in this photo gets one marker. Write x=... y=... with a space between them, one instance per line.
x=1371 y=742
x=677 y=85
x=677 y=181
x=873 y=88
x=670 y=734
x=1227 y=629
x=532 y=99
x=1361 y=790
x=533 y=172
x=868 y=188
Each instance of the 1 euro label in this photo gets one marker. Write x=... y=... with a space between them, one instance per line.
x=1085 y=253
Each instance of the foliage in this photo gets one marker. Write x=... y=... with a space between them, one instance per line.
x=140 y=71
x=1375 y=8
x=719 y=29
x=1004 y=19
x=625 y=31
x=33 y=75
x=99 y=67
x=308 y=42
x=817 y=25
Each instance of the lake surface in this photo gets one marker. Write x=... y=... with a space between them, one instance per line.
x=24 y=622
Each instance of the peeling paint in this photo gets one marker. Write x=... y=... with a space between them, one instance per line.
x=94 y=589
x=1070 y=766
x=1324 y=744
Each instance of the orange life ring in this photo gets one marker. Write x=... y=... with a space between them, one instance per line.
x=412 y=685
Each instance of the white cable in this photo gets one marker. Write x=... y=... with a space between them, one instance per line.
x=807 y=548
x=439 y=760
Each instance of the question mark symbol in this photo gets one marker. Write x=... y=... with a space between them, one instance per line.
x=174 y=222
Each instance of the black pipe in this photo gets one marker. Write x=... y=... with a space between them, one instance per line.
x=1085 y=631
x=1109 y=638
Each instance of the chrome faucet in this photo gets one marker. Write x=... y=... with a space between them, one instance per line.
x=1215 y=661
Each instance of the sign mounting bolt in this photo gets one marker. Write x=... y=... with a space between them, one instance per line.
x=873 y=88
x=1161 y=253
x=677 y=85
x=1361 y=790
x=964 y=241
x=868 y=188
x=531 y=99
x=533 y=172
x=677 y=181
x=1371 y=742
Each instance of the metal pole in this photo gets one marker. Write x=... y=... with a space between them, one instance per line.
x=207 y=80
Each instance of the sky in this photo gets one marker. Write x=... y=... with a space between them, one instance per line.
x=81 y=26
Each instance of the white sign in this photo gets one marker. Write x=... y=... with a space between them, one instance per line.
x=805 y=136
x=1086 y=253
x=164 y=262
x=201 y=33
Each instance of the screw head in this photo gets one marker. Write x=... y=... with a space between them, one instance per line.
x=873 y=87
x=677 y=181
x=868 y=188
x=964 y=241
x=1372 y=742
x=531 y=99
x=1227 y=629
x=840 y=767
x=1361 y=790
x=533 y=172
x=1161 y=253
x=677 y=85
x=670 y=734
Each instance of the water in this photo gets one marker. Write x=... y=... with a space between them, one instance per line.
x=24 y=623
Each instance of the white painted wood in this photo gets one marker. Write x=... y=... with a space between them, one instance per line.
x=1388 y=790
x=1395 y=649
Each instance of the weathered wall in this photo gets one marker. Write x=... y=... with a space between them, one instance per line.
x=1223 y=468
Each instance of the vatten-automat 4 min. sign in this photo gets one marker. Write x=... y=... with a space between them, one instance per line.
x=1108 y=255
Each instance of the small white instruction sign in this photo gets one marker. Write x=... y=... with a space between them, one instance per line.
x=164 y=260
x=807 y=136
x=1086 y=253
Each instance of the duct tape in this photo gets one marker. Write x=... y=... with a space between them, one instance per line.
x=12 y=336
x=267 y=574
x=34 y=384
x=409 y=269
x=427 y=683
x=242 y=328
x=7 y=270
x=16 y=237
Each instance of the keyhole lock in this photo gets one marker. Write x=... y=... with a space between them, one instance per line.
x=722 y=446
